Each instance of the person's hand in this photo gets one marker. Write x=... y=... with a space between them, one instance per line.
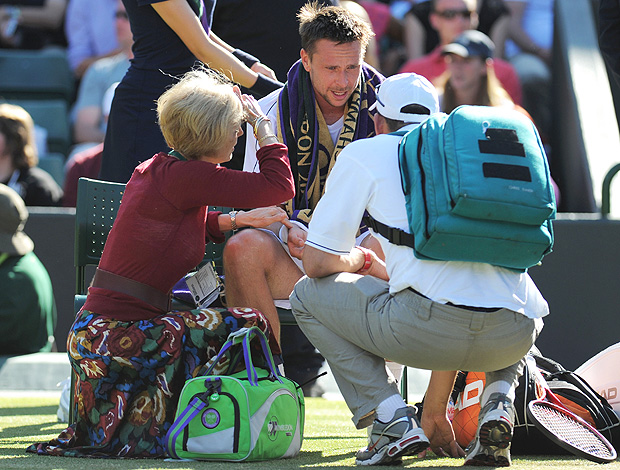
x=264 y=70
x=261 y=217
x=251 y=108
x=439 y=431
x=296 y=241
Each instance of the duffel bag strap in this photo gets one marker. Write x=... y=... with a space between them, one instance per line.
x=194 y=407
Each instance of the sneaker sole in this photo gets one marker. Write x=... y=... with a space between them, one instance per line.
x=496 y=432
x=483 y=460
x=410 y=445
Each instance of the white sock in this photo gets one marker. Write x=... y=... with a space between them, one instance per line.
x=500 y=386
x=387 y=408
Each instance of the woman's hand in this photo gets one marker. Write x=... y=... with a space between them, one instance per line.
x=251 y=109
x=261 y=217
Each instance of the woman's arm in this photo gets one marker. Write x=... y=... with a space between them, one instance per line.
x=179 y=16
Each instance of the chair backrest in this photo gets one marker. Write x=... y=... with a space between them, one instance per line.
x=53 y=116
x=36 y=74
x=96 y=208
x=97 y=205
x=54 y=164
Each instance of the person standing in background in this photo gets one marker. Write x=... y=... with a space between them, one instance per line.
x=170 y=36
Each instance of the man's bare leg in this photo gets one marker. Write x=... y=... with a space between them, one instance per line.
x=258 y=270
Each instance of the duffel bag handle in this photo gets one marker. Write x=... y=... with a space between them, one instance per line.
x=247 y=355
x=243 y=336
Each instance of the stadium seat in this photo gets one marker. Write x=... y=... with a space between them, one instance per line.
x=54 y=164
x=38 y=74
x=53 y=116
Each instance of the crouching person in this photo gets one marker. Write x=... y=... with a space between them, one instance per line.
x=436 y=315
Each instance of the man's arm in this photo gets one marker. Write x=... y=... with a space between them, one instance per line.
x=319 y=263
x=435 y=421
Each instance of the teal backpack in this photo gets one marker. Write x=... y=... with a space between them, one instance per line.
x=477 y=188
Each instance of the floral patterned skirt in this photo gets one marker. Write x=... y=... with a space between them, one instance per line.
x=130 y=376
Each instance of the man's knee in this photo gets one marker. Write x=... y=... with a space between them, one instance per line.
x=247 y=246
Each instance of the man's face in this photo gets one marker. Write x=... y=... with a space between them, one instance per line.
x=451 y=17
x=335 y=71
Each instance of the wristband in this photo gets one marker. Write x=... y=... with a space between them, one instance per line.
x=367 y=260
x=247 y=59
x=265 y=85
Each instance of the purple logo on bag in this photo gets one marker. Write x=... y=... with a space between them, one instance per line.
x=210 y=418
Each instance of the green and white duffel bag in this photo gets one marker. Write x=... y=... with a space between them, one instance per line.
x=255 y=414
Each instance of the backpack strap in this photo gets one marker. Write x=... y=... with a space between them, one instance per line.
x=394 y=235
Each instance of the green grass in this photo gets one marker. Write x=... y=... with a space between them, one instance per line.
x=330 y=441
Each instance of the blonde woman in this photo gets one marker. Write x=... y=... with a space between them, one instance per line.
x=131 y=354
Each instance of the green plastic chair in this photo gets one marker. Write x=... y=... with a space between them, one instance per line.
x=36 y=74
x=54 y=164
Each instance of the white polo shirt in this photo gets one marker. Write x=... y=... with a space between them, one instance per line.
x=366 y=177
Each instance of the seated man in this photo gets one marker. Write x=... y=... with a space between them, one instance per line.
x=322 y=108
x=437 y=315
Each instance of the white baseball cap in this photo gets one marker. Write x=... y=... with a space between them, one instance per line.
x=406 y=90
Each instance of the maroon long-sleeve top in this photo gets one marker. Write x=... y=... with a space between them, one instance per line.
x=163 y=222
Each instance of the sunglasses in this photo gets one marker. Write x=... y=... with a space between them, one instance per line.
x=121 y=15
x=451 y=14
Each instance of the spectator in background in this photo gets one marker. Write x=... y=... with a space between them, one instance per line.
x=469 y=77
x=90 y=31
x=32 y=24
x=421 y=38
x=90 y=118
x=529 y=50
x=19 y=158
x=27 y=306
x=450 y=18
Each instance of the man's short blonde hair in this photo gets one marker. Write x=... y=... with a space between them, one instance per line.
x=198 y=113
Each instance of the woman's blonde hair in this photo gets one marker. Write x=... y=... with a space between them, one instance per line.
x=17 y=127
x=490 y=93
x=198 y=113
